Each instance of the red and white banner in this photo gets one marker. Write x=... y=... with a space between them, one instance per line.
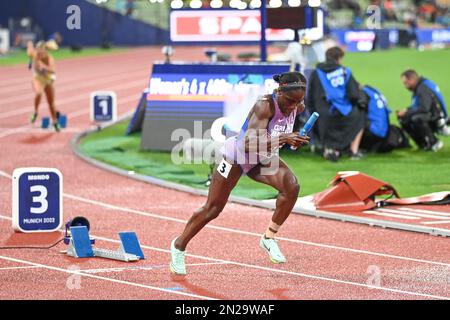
x=221 y=25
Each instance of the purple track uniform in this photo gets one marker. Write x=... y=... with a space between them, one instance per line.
x=233 y=149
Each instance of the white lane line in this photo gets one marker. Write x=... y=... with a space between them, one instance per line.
x=436 y=222
x=83 y=274
x=303 y=275
x=93 y=66
x=4 y=174
x=22 y=75
x=292 y=273
x=447 y=214
x=23 y=81
x=153 y=267
x=70 y=117
x=69 y=81
x=16 y=268
x=146 y=214
x=76 y=98
x=212 y=226
x=41 y=130
x=414 y=214
x=81 y=85
x=399 y=216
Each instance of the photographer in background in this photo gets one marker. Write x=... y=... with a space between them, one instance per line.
x=427 y=114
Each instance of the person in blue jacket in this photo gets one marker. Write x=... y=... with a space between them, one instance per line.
x=333 y=92
x=427 y=114
x=379 y=135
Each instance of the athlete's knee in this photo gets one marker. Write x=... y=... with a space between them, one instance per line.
x=213 y=210
x=291 y=188
x=294 y=189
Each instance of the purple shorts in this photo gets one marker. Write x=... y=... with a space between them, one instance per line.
x=233 y=151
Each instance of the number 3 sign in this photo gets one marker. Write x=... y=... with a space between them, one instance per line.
x=37 y=200
x=103 y=106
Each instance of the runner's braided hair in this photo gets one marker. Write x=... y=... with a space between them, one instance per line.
x=290 y=81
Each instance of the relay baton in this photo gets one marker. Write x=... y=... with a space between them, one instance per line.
x=308 y=126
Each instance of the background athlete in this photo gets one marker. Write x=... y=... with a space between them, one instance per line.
x=269 y=124
x=44 y=75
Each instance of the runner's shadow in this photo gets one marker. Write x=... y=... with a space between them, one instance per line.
x=192 y=288
x=34 y=139
x=279 y=293
x=29 y=240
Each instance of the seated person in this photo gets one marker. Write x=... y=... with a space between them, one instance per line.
x=334 y=93
x=422 y=120
x=379 y=135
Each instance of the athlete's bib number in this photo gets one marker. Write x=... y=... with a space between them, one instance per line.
x=224 y=168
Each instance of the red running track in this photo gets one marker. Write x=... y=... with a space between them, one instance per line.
x=326 y=259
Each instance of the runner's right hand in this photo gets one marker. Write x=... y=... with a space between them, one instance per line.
x=296 y=140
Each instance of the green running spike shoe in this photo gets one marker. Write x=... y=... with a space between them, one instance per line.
x=177 y=264
x=33 y=117
x=271 y=246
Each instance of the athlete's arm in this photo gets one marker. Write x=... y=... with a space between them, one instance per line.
x=51 y=64
x=50 y=67
x=30 y=49
x=256 y=136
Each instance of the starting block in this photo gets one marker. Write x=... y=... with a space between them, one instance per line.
x=80 y=246
x=62 y=120
x=45 y=122
x=129 y=243
x=76 y=222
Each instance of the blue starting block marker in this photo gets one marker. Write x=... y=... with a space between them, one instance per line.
x=130 y=244
x=62 y=120
x=80 y=244
x=45 y=123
